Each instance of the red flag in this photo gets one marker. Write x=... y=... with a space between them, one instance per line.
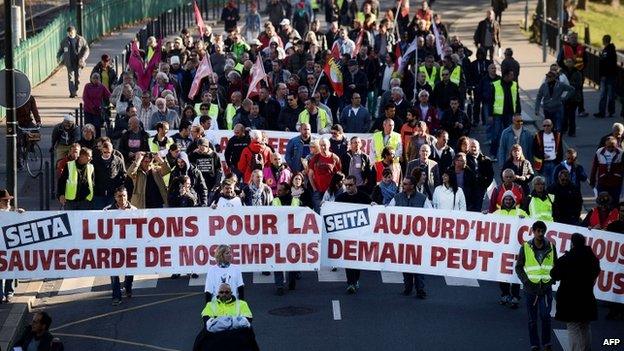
x=332 y=71
x=204 y=70
x=335 y=51
x=198 y=19
x=405 y=8
x=358 y=44
x=397 y=54
x=257 y=75
x=143 y=74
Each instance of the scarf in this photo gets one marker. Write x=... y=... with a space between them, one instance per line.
x=388 y=190
x=256 y=195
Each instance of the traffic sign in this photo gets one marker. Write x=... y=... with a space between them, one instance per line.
x=21 y=87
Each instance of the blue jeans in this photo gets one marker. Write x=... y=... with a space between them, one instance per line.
x=556 y=117
x=607 y=93
x=6 y=288
x=498 y=124
x=539 y=304
x=116 y=286
x=317 y=197
x=548 y=168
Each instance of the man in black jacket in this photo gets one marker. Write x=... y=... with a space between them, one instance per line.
x=484 y=171
x=577 y=270
x=289 y=115
x=568 y=199
x=37 y=333
x=110 y=172
x=235 y=146
x=356 y=163
x=487 y=34
x=608 y=73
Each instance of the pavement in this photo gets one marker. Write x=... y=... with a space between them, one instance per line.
x=375 y=318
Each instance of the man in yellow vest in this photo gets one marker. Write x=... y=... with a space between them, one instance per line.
x=226 y=305
x=75 y=186
x=160 y=141
x=431 y=71
x=232 y=109
x=505 y=104
x=535 y=260
x=386 y=137
x=320 y=122
x=540 y=202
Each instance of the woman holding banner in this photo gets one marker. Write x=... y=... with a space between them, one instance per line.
x=224 y=272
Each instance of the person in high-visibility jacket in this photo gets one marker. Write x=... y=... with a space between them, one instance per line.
x=510 y=292
x=231 y=110
x=539 y=203
x=226 y=305
x=284 y=198
x=533 y=265
x=320 y=122
x=431 y=71
x=505 y=104
x=387 y=137
x=75 y=185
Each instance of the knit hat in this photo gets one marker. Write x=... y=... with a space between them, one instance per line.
x=509 y=193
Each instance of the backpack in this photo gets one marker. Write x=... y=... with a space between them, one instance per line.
x=257 y=160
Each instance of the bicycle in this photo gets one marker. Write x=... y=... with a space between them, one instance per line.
x=29 y=153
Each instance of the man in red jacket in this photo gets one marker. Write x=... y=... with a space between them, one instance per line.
x=607 y=168
x=255 y=156
x=496 y=199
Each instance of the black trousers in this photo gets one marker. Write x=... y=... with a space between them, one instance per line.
x=353 y=275
x=509 y=289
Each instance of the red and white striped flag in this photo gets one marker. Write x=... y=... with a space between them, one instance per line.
x=332 y=71
x=201 y=27
x=204 y=70
x=257 y=75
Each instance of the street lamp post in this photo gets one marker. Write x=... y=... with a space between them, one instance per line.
x=9 y=91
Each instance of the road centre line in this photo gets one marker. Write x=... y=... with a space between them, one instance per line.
x=116 y=341
x=125 y=310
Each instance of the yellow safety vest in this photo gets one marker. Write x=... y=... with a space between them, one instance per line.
x=515 y=212
x=455 y=74
x=314 y=4
x=230 y=112
x=154 y=147
x=278 y=202
x=239 y=68
x=542 y=209
x=304 y=117
x=429 y=78
x=216 y=308
x=378 y=144
x=535 y=271
x=499 y=97
x=71 y=186
x=213 y=112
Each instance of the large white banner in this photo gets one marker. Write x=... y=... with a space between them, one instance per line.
x=171 y=240
x=453 y=243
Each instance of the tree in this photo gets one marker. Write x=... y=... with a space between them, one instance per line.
x=581 y=5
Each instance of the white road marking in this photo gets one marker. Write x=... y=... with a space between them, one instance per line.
x=199 y=281
x=456 y=281
x=326 y=275
x=258 y=278
x=76 y=285
x=562 y=336
x=391 y=277
x=144 y=281
x=336 y=310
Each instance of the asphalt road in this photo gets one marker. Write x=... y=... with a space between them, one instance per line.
x=378 y=317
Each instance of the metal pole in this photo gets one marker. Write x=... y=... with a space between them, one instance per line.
x=52 y=175
x=47 y=192
x=560 y=29
x=9 y=91
x=526 y=15
x=42 y=192
x=79 y=8
x=544 y=49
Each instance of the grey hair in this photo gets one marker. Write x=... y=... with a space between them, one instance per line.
x=537 y=179
x=398 y=90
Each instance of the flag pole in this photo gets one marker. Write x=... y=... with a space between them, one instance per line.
x=317 y=83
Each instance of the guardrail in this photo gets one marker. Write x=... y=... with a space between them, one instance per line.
x=591 y=72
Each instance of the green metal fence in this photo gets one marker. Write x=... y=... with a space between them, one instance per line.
x=36 y=56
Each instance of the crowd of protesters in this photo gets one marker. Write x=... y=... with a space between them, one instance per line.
x=405 y=80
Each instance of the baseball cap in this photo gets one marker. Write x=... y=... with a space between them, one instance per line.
x=285 y=22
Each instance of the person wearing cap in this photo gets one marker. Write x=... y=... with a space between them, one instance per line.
x=577 y=270
x=73 y=53
x=6 y=285
x=107 y=72
x=75 y=189
x=63 y=135
x=287 y=32
x=535 y=261
x=510 y=206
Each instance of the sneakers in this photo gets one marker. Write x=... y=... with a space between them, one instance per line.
x=175 y=276
x=351 y=289
x=583 y=114
x=504 y=300
x=514 y=303
x=116 y=302
x=266 y=273
x=421 y=294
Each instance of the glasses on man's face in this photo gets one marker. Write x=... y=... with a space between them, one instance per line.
x=444 y=74
x=225 y=292
x=213 y=88
x=203 y=109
